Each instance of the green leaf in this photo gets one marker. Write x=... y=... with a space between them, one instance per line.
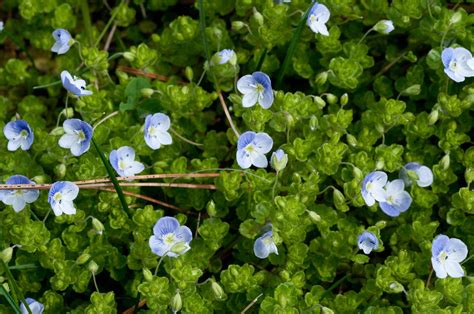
x=133 y=92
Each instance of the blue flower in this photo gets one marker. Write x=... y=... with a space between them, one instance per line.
x=226 y=55
x=317 y=19
x=168 y=235
x=279 y=160
x=373 y=187
x=424 y=174
x=123 y=161
x=156 y=130
x=1 y=26
x=458 y=63
x=74 y=85
x=264 y=245
x=367 y=241
x=256 y=87
x=397 y=200
x=18 y=134
x=62 y=38
x=251 y=149
x=384 y=26
x=18 y=198
x=78 y=136
x=61 y=196
x=35 y=306
x=447 y=254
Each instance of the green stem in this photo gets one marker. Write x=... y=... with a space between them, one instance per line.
x=334 y=285
x=112 y=177
x=95 y=283
x=185 y=139
x=274 y=186
x=292 y=46
x=365 y=35
x=86 y=19
x=111 y=20
x=159 y=263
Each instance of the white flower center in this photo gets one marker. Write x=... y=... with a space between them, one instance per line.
x=153 y=131
x=80 y=136
x=24 y=133
x=57 y=196
x=314 y=19
x=267 y=241
x=442 y=257
x=169 y=239
x=453 y=65
x=123 y=164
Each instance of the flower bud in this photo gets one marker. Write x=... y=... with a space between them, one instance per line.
x=147 y=92
x=344 y=99
x=211 y=208
x=84 y=257
x=314 y=216
x=319 y=101
x=41 y=179
x=379 y=164
x=331 y=99
x=339 y=200
x=258 y=17
x=98 y=226
x=445 y=161
x=180 y=248
x=396 y=287
x=6 y=255
x=412 y=90
x=60 y=171
x=57 y=131
x=68 y=112
x=433 y=117
x=455 y=18
x=237 y=25
x=351 y=140
x=176 y=302
x=313 y=123
x=279 y=160
x=384 y=26
x=321 y=78
x=130 y=56
x=357 y=173
x=379 y=128
x=93 y=267
x=189 y=73
x=147 y=274
x=326 y=310
x=217 y=290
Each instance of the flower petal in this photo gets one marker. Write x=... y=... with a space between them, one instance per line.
x=390 y=209
x=425 y=176
x=245 y=139
x=438 y=268
x=184 y=234
x=266 y=100
x=126 y=153
x=439 y=244
x=250 y=99
x=263 y=143
x=161 y=121
x=456 y=249
x=246 y=84
x=259 y=161
x=134 y=168
x=158 y=246
x=165 y=225
x=453 y=269
x=244 y=160
x=447 y=56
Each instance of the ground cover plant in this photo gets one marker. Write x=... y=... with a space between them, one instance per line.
x=244 y=156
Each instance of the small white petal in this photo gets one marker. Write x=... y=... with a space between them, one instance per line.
x=438 y=268
x=250 y=99
x=453 y=269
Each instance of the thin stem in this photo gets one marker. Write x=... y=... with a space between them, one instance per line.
x=365 y=35
x=327 y=188
x=142 y=9
x=139 y=177
x=79 y=47
x=86 y=19
x=201 y=77
x=110 y=36
x=334 y=285
x=444 y=36
x=105 y=119
x=391 y=64
x=159 y=263
x=227 y=114
x=185 y=139
x=151 y=200
x=251 y=304
x=467 y=259
x=47 y=215
x=197 y=225
x=112 y=18
x=428 y=281
x=95 y=283
x=65 y=110
x=275 y=185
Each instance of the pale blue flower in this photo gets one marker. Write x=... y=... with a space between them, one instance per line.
x=373 y=187
x=123 y=161
x=61 y=196
x=458 y=63
x=384 y=26
x=77 y=137
x=447 y=254
x=397 y=200
x=279 y=160
x=62 y=38
x=74 y=85
x=156 y=130
x=18 y=198
x=35 y=306
x=226 y=55
x=251 y=149
x=1 y=26
x=425 y=175
x=317 y=19
x=167 y=234
x=367 y=241
x=264 y=245
x=19 y=135
x=257 y=88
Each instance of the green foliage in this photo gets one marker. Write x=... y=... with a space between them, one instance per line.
x=344 y=105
